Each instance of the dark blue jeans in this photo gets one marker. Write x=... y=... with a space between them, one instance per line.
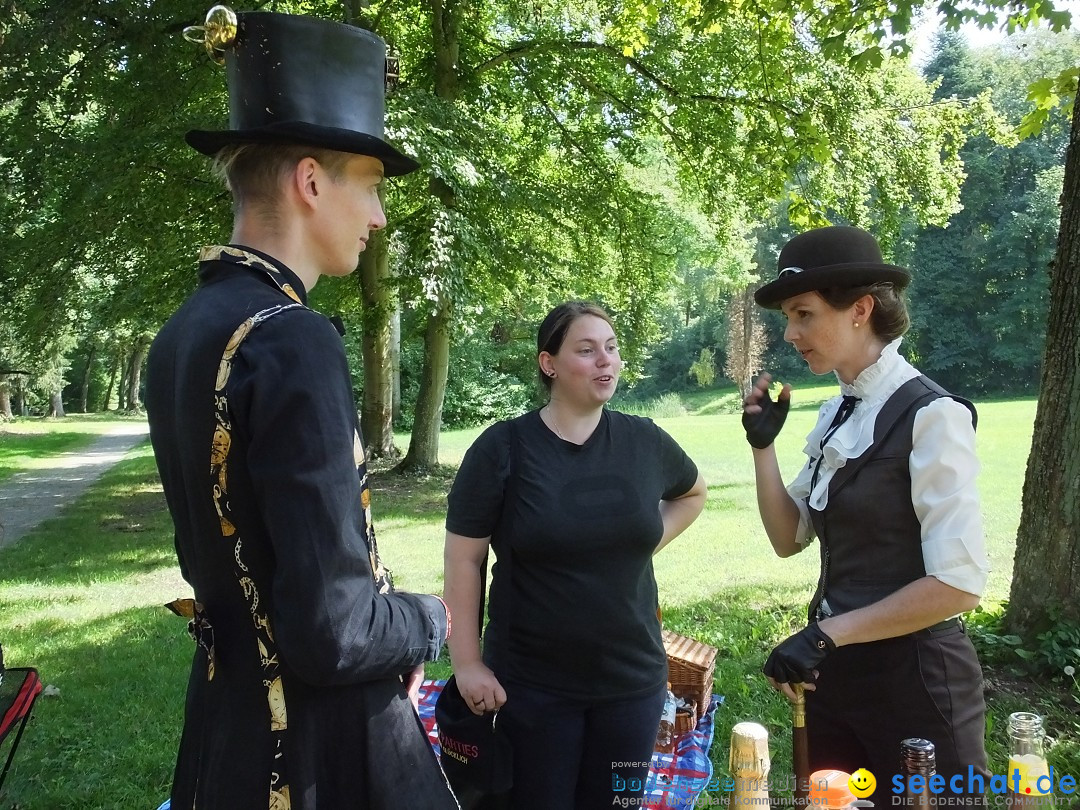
x=577 y=755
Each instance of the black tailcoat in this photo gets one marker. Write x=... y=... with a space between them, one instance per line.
x=294 y=698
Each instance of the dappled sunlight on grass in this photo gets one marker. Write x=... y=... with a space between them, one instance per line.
x=119 y=529
x=92 y=423
x=31 y=450
x=108 y=739
x=27 y=603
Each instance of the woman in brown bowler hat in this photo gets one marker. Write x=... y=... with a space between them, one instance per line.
x=889 y=492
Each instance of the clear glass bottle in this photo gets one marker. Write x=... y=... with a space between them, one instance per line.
x=917 y=758
x=1029 y=775
x=665 y=735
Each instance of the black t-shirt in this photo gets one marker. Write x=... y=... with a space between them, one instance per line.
x=578 y=614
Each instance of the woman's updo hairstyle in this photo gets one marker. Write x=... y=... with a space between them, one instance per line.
x=889 y=318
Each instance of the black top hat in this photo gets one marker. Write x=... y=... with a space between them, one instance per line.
x=837 y=256
x=302 y=80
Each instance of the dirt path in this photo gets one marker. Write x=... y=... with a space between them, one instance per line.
x=32 y=496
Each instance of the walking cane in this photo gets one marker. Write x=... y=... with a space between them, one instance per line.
x=799 y=751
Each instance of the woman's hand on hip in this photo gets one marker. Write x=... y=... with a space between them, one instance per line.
x=480 y=688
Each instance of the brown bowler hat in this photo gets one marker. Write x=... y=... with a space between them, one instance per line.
x=824 y=258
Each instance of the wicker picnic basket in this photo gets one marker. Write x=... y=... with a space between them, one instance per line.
x=690 y=670
x=686 y=719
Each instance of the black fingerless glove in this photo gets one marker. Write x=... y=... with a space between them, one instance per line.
x=795 y=658
x=762 y=428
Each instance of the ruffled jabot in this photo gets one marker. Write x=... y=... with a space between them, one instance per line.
x=873 y=387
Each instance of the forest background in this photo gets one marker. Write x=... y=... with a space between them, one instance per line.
x=575 y=157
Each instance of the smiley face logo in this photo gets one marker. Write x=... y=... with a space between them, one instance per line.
x=862 y=783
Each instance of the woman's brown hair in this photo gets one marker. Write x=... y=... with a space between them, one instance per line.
x=552 y=332
x=889 y=318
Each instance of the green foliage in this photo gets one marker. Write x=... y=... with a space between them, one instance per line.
x=980 y=294
x=1046 y=93
x=667 y=406
x=1051 y=654
x=995 y=648
x=703 y=370
x=492 y=370
x=476 y=395
x=665 y=370
x=1055 y=648
x=524 y=115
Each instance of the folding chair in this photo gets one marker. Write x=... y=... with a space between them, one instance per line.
x=19 y=689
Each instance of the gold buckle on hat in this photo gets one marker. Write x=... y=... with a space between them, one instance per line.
x=218 y=33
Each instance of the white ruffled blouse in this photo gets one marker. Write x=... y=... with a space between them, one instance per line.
x=943 y=468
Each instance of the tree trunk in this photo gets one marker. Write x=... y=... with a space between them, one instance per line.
x=1046 y=568
x=424 y=444
x=5 y=398
x=122 y=387
x=84 y=394
x=395 y=358
x=377 y=410
x=427 y=418
x=20 y=396
x=134 y=376
x=744 y=340
x=56 y=404
x=112 y=383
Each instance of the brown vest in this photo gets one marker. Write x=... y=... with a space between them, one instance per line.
x=870 y=537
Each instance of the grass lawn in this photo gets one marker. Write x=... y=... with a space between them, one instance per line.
x=81 y=599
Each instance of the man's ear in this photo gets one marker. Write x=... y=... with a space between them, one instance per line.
x=305 y=181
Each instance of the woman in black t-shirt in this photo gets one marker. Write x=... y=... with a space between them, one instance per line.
x=574 y=499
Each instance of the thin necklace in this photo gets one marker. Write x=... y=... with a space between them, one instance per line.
x=554 y=424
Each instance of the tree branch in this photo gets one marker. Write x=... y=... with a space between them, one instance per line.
x=567 y=136
x=534 y=48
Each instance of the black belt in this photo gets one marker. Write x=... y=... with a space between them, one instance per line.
x=942 y=626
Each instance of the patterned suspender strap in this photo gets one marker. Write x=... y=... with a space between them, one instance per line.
x=384 y=580
x=219 y=487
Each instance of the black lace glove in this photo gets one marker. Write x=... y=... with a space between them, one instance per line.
x=762 y=428
x=795 y=658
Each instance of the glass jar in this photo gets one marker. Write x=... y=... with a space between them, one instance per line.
x=1029 y=775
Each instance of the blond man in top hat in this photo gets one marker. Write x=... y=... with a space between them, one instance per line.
x=306 y=656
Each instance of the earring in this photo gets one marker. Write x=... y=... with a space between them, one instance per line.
x=551 y=374
x=856 y=324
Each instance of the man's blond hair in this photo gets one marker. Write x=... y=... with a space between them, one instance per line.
x=254 y=172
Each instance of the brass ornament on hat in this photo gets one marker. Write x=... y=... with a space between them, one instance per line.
x=393 y=71
x=218 y=33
